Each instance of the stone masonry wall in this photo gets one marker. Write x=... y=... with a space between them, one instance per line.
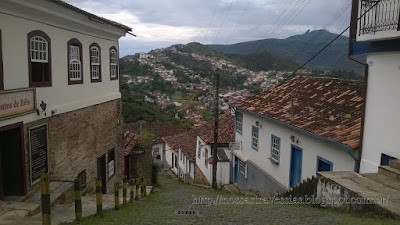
x=76 y=139
x=199 y=177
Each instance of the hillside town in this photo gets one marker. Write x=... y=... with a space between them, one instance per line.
x=189 y=134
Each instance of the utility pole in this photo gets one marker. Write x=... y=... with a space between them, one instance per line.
x=215 y=146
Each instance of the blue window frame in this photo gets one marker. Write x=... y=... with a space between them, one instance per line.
x=324 y=164
x=254 y=138
x=239 y=122
x=275 y=148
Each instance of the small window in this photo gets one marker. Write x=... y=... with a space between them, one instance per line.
x=254 y=138
x=323 y=164
x=239 y=122
x=199 y=150
x=242 y=167
x=95 y=63
x=113 y=63
x=75 y=71
x=181 y=154
x=176 y=161
x=206 y=158
x=275 y=148
x=82 y=179
x=1 y=65
x=39 y=59
x=111 y=163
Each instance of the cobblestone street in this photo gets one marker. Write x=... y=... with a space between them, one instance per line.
x=161 y=208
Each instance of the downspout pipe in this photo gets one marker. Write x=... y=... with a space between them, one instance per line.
x=353 y=36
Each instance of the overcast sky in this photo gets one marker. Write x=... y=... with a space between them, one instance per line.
x=161 y=23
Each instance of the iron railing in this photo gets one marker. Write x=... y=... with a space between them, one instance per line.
x=385 y=16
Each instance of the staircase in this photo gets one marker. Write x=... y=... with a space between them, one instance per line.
x=60 y=193
x=384 y=184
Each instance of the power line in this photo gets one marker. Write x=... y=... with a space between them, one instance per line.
x=234 y=29
x=339 y=35
x=340 y=12
x=286 y=25
x=223 y=21
x=212 y=18
x=293 y=9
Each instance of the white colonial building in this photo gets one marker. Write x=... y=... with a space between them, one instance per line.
x=204 y=154
x=60 y=108
x=377 y=35
x=298 y=128
x=180 y=153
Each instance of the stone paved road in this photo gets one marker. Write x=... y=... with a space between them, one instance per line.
x=159 y=208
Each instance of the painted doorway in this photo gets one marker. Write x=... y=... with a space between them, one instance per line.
x=102 y=172
x=12 y=162
x=295 y=165
x=235 y=170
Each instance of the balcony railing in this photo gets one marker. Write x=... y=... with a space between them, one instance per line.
x=385 y=16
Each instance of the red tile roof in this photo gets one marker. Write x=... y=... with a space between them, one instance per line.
x=158 y=129
x=104 y=20
x=328 y=107
x=226 y=133
x=131 y=140
x=185 y=141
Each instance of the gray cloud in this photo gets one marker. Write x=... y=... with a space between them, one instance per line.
x=160 y=23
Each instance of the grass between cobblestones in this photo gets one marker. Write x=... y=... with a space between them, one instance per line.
x=159 y=208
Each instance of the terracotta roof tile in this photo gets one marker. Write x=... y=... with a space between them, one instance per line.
x=158 y=129
x=131 y=140
x=226 y=133
x=76 y=9
x=330 y=99
x=185 y=141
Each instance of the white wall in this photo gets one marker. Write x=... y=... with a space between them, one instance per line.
x=382 y=119
x=311 y=148
x=61 y=96
x=169 y=153
x=185 y=164
x=200 y=162
x=223 y=168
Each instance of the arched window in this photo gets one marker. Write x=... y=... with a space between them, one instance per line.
x=75 y=72
x=113 y=63
x=39 y=59
x=95 y=62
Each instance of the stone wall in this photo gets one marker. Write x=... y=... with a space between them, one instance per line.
x=140 y=165
x=76 y=139
x=199 y=177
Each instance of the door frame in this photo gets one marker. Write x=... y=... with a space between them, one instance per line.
x=21 y=137
x=291 y=161
x=102 y=158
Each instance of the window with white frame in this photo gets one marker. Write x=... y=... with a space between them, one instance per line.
x=275 y=148
x=95 y=62
x=39 y=59
x=75 y=73
x=113 y=63
x=242 y=167
x=239 y=122
x=254 y=138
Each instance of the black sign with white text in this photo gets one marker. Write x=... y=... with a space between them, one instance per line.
x=38 y=150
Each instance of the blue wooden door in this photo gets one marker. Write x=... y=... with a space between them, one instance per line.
x=235 y=171
x=295 y=166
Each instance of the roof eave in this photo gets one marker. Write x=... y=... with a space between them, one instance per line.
x=339 y=144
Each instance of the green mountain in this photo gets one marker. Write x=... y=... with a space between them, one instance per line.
x=300 y=48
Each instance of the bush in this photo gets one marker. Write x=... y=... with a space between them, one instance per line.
x=155 y=170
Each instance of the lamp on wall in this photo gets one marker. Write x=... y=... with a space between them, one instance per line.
x=43 y=106
x=258 y=124
x=292 y=138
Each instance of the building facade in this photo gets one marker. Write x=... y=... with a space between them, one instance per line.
x=377 y=35
x=59 y=95
x=291 y=132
